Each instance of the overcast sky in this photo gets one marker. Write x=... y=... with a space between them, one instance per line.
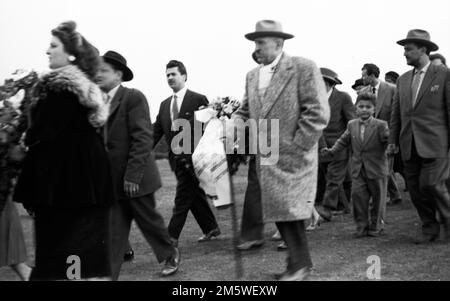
x=208 y=36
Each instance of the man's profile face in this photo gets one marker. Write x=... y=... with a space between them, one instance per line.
x=413 y=53
x=266 y=50
x=366 y=78
x=175 y=79
x=107 y=77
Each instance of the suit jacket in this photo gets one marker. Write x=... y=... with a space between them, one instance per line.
x=342 y=111
x=370 y=153
x=428 y=121
x=129 y=143
x=163 y=125
x=385 y=98
x=296 y=98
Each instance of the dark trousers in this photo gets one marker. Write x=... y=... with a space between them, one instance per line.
x=189 y=196
x=334 y=196
x=363 y=189
x=252 y=225
x=150 y=222
x=426 y=180
x=393 y=190
x=294 y=234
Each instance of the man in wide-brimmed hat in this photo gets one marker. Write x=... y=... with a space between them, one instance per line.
x=332 y=171
x=420 y=127
x=128 y=139
x=290 y=91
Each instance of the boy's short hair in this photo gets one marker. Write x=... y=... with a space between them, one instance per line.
x=367 y=97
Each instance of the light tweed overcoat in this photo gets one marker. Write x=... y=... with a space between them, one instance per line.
x=296 y=97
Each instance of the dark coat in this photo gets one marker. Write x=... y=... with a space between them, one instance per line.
x=130 y=142
x=162 y=127
x=385 y=97
x=66 y=165
x=428 y=122
x=370 y=153
x=342 y=111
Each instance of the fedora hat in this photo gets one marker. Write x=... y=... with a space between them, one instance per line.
x=419 y=36
x=268 y=28
x=330 y=75
x=120 y=63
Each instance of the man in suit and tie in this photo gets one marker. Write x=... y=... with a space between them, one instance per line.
x=128 y=140
x=420 y=128
x=384 y=94
x=332 y=171
x=189 y=195
x=290 y=91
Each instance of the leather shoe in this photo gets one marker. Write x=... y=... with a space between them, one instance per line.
x=426 y=239
x=360 y=234
x=210 y=235
x=251 y=244
x=299 y=275
x=276 y=236
x=172 y=263
x=325 y=213
x=282 y=246
x=128 y=256
x=375 y=233
x=394 y=202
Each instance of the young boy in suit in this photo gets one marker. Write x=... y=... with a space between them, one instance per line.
x=368 y=138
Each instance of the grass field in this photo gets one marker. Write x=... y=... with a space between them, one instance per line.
x=335 y=254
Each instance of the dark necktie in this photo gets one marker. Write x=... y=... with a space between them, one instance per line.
x=415 y=86
x=374 y=90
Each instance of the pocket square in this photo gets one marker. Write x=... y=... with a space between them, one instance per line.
x=434 y=89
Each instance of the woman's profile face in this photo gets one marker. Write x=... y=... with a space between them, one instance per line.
x=57 y=56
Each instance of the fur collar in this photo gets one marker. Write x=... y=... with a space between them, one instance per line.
x=71 y=78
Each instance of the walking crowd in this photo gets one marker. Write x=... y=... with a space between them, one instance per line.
x=90 y=169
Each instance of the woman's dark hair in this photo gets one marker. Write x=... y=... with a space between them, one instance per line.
x=86 y=55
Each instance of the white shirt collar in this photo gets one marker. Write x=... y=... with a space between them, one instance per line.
x=113 y=92
x=424 y=69
x=329 y=93
x=377 y=87
x=180 y=94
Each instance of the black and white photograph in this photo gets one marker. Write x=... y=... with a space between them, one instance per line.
x=247 y=142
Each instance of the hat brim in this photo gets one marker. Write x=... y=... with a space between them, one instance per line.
x=432 y=46
x=334 y=80
x=260 y=34
x=127 y=73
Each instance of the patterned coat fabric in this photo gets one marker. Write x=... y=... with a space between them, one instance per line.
x=296 y=97
x=428 y=122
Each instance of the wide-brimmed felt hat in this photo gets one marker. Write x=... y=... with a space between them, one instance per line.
x=268 y=28
x=120 y=63
x=330 y=75
x=419 y=36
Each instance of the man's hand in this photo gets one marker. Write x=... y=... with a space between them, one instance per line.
x=391 y=150
x=131 y=189
x=325 y=153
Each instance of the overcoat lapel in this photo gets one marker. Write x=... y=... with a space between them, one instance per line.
x=282 y=75
x=116 y=101
x=428 y=79
x=380 y=99
x=407 y=94
x=368 y=132
x=253 y=97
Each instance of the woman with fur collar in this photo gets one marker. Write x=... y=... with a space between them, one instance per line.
x=65 y=180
